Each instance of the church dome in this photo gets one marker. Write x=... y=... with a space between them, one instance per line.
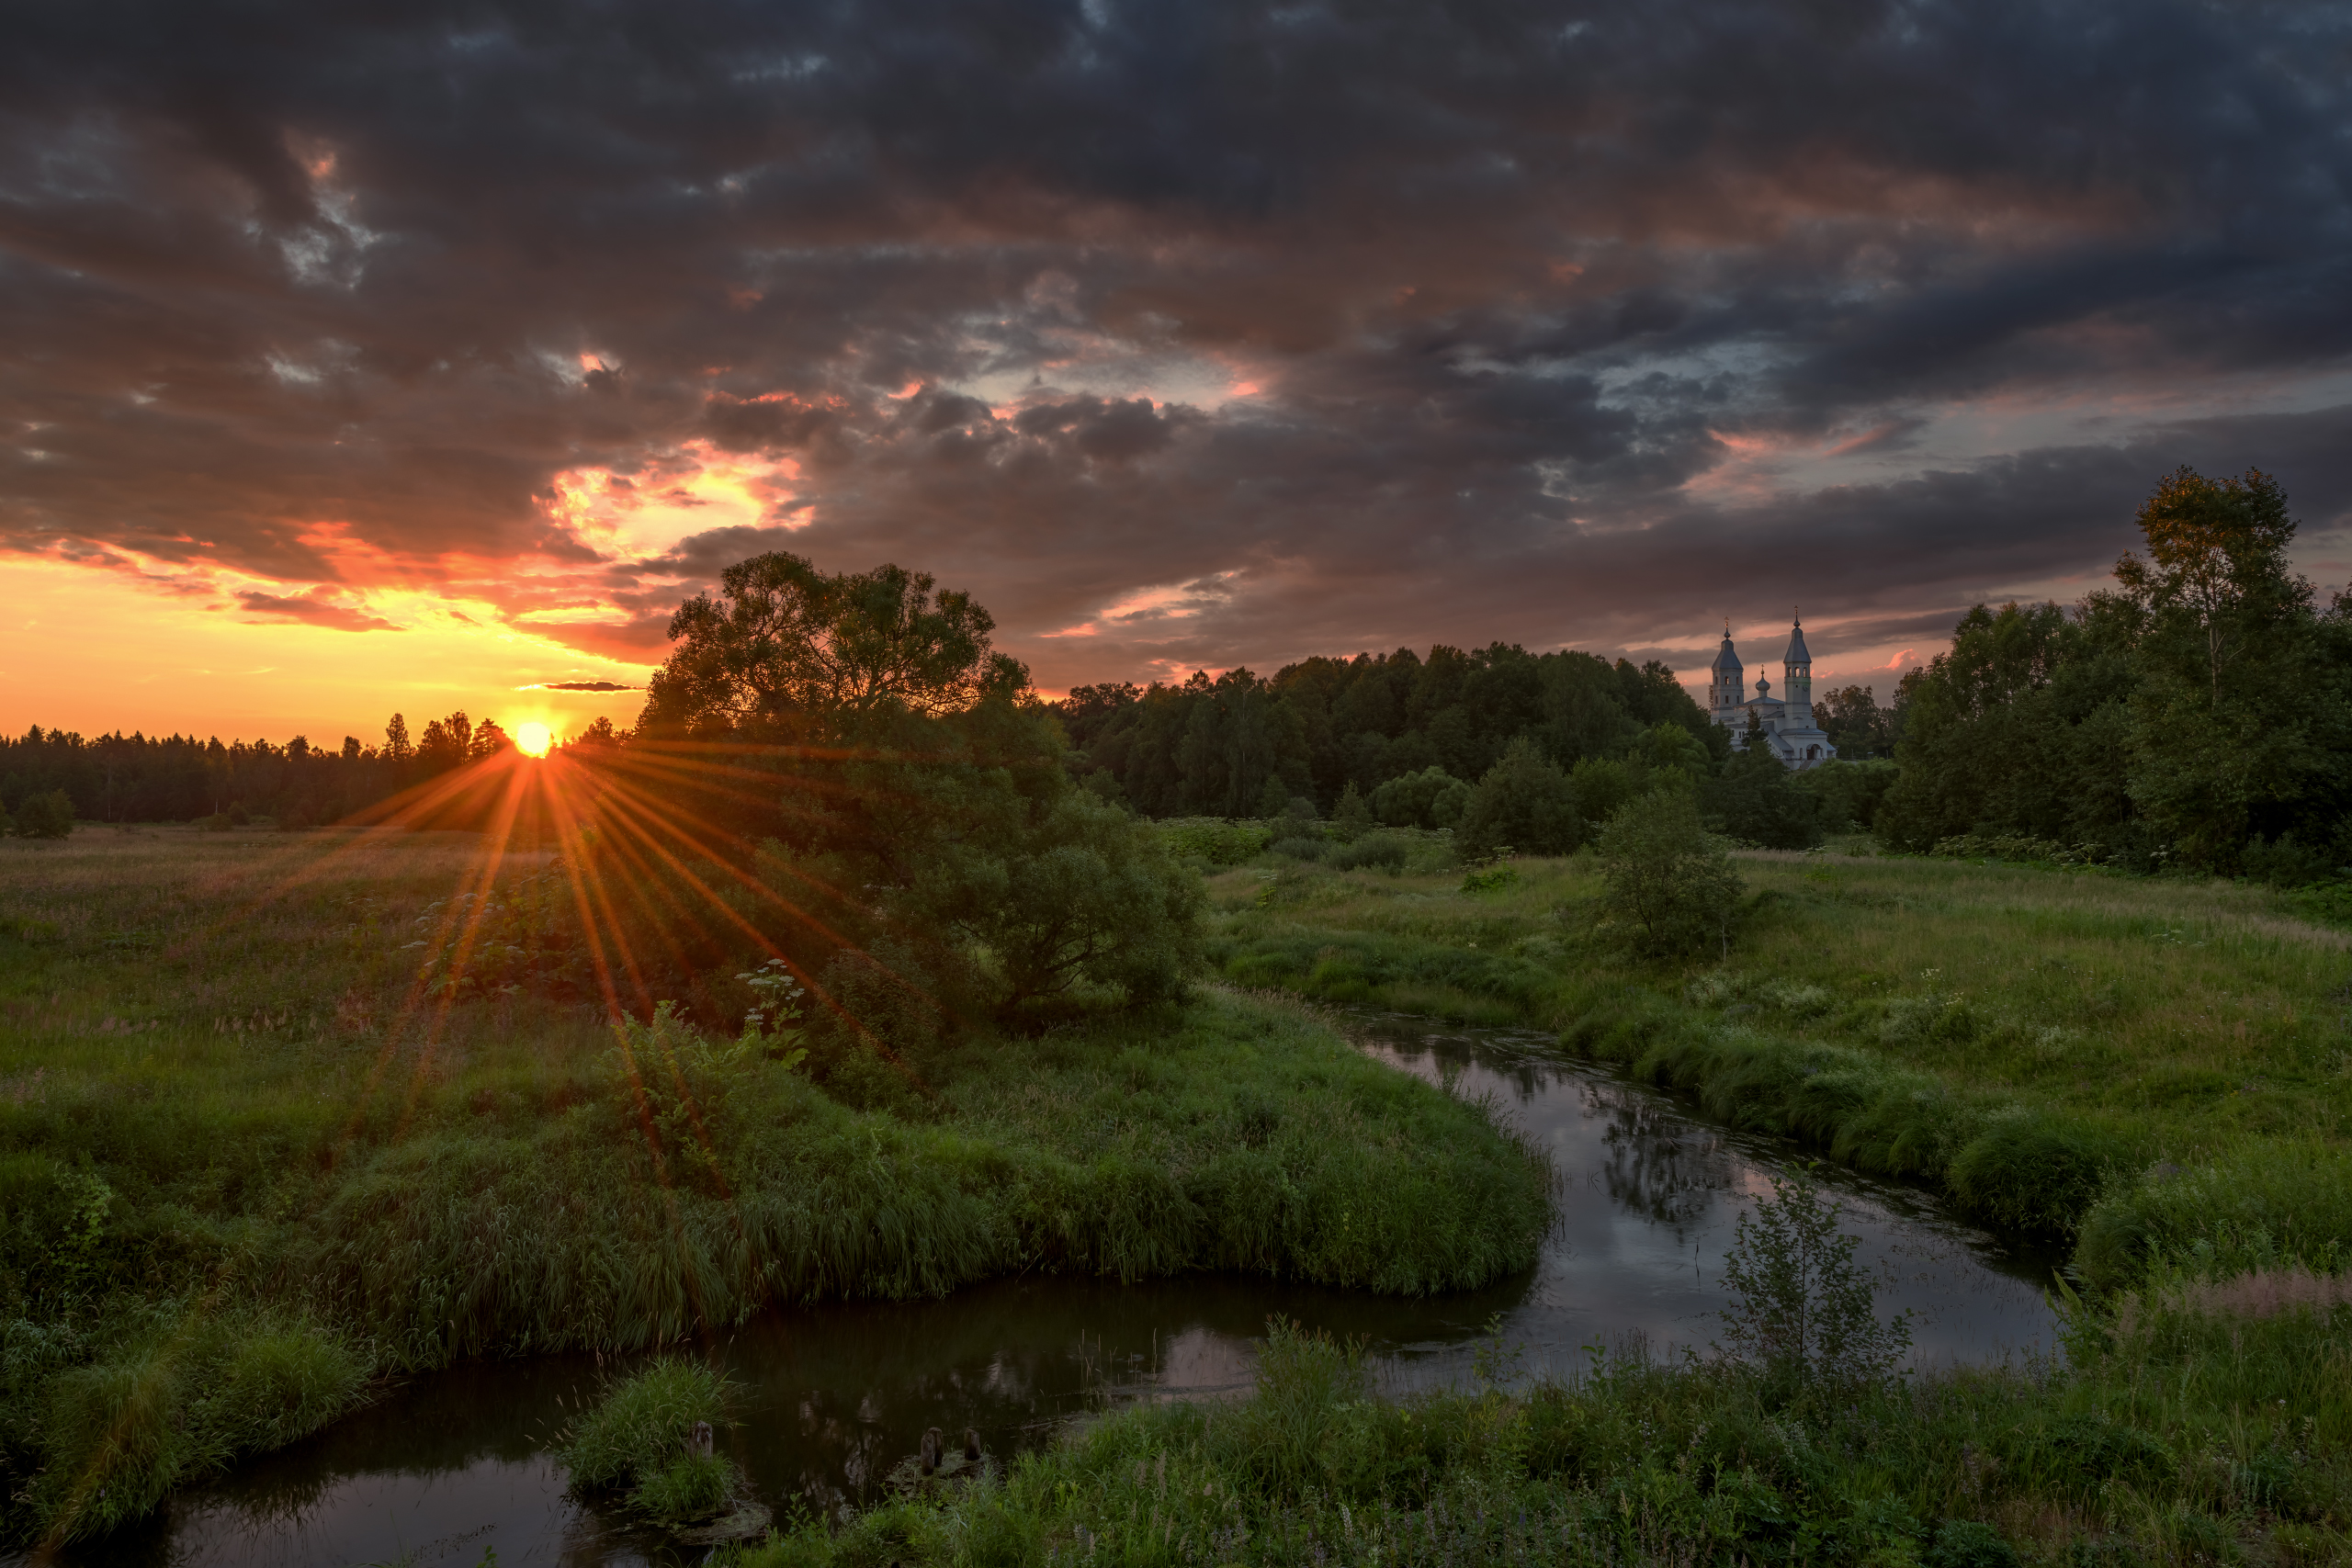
x=1724 y=657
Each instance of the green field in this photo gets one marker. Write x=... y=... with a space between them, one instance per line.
x=248 y=1168
x=2157 y=1065
x=2157 y=1068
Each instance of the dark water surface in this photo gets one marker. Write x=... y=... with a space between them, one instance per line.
x=455 y=1463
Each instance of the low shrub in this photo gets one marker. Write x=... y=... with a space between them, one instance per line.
x=2322 y=903
x=2034 y=1172
x=47 y=816
x=1671 y=887
x=1803 y=1312
x=2019 y=847
x=1494 y=877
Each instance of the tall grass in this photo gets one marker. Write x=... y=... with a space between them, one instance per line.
x=219 y=1114
x=2199 y=1435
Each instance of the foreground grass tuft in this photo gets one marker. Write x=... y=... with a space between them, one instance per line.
x=2190 y=1435
x=637 y=1442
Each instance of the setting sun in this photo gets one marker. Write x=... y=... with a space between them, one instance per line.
x=533 y=740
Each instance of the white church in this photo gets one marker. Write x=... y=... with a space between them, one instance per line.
x=1787 y=719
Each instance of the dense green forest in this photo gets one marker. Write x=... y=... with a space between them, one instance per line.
x=1241 y=745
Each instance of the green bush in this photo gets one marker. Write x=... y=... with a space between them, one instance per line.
x=1430 y=798
x=1496 y=878
x=1803 y=1312
x=1308 y=1386
x=1353 y=816
x=2287 y=863
x=2034 y=1172
x=1849 y=792
x=1756 y=800
x=2017 y=846
x=1376 y=850
x=1604 y=783
x=1523 y=802
x=47 y=816
x=1669 y=884
x=2325 y=903
x=1964 y=1544
x=1064 y=904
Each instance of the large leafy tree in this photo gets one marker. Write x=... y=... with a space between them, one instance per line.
x=784 y=649
x=2202 y=704
x=887 y=797
x=2020 y=728
x=2239 y=723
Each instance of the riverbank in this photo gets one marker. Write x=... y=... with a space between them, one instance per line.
x=2144 y=1066
x=2197 y=1426
x=250 y=1174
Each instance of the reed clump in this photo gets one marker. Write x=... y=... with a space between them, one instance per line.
x=647 y=1441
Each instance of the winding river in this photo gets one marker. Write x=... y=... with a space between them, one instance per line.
x=455 y=1463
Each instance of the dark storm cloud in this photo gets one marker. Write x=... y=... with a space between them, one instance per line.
x=1199 y=333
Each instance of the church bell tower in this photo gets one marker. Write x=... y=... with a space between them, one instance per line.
x=1796 y=677
x=1728 y=684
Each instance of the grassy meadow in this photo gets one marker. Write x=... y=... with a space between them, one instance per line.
x=2158 y=1068
x=249 y=1171
x=249 y=1167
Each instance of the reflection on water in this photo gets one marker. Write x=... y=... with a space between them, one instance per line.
x=1648 y=1194
x=835 y=1396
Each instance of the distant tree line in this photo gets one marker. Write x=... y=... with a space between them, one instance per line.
x=179 y=778
x=1241 y=745
x=1510 y=749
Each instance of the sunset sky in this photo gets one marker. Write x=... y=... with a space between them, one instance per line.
x=426 y=359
